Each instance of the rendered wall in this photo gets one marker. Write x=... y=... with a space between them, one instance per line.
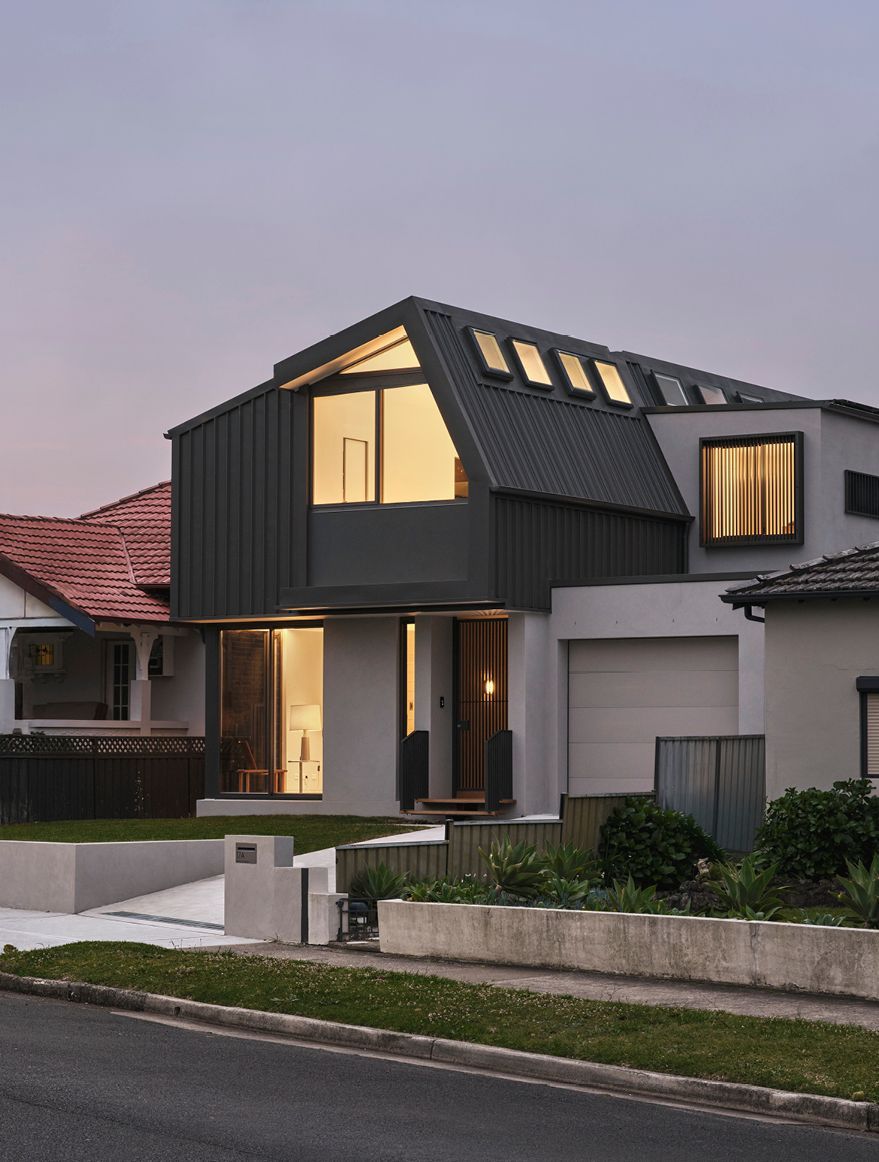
x=815 y=651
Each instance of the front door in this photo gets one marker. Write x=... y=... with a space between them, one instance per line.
x=480 y=696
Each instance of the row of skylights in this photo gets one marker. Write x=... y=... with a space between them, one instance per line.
x=673 y=395
x=580 y=373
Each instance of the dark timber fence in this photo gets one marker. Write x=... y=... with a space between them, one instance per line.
x=458 y=854
x=720 y=781
x=44 y=778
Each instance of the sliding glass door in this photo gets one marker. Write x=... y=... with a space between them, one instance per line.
x=271 y=711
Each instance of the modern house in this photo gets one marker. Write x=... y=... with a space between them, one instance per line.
x=457 y=564
x=822 y=661
x=86 y=644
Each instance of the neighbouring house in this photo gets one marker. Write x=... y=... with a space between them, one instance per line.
x=822 y=661
x=86 y=644
x=449 y=563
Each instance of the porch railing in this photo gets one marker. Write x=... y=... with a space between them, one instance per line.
x=414 y=768
x=498 y=769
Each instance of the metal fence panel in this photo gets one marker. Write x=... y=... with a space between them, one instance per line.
x=584 y=816
x=420 y=861
x=465 y=840
x=720 y=781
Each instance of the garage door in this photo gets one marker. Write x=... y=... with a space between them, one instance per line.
x=623 y=693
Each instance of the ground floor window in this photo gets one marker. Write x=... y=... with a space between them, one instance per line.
x=120 y=681
x=271 y=711
x=868 y=688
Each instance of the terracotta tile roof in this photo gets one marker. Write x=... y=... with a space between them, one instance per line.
x=106 y=564
x=144 y=519
x=853 y=572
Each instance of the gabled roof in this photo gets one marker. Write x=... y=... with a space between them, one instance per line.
x=851 y=573
x=144 y=519
x=84 y=567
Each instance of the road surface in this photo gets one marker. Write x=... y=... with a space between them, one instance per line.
x=78 y=1083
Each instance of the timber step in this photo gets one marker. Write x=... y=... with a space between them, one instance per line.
x=464 y=806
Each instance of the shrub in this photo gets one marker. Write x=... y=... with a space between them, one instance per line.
x=629 y=897
x=377 y=883
x=559 y=892
x=653 y=845
x=571 y=863
x=811 y=834
x=445 y=891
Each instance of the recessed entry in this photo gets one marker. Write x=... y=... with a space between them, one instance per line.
x=531 y=362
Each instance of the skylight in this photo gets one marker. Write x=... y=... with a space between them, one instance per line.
x=711 y=394
x=743 y=397
x=489 y=349
x=531 y=362
x=576 y=378
x=671 y=389
x=612 y=382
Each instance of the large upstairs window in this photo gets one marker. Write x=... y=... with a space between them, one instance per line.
x=389 y=444
x=752 y=489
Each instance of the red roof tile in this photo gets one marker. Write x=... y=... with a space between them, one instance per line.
x=145 y=521
x=104 y=563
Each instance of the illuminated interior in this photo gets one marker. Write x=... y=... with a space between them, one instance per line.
x=490 y=350
x=532 y=363
x=344 y=448
x=409 y=679
x=400 y=357
x=271 y=711
x=575 y=373
x=416 y=457
x=611 y=380
x=749 y=490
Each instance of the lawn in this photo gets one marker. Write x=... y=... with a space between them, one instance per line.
x=310 y=832
x=806 y=1057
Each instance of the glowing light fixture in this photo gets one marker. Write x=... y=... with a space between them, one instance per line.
x=489 y=686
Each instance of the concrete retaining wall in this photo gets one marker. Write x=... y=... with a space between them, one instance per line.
x=795 y=957
x=73 y=877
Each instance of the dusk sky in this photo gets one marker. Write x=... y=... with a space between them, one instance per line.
x=193 y=190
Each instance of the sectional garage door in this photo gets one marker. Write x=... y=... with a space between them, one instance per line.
x=624 y=692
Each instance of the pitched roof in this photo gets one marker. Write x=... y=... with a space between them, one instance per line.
x=144 y=519
x=851 y=573
x=87 y=564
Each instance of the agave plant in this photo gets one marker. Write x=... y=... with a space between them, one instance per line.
x=571 y=863
x=514 y=869
x=823 y=920
x=861 y=891
x=745 y=891
x=628 y=897
x=377 y=883
x=559 y=892
x=445 y=891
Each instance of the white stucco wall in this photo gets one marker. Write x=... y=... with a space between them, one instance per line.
x=815 y=651
x=181 y=697
x=675 y=609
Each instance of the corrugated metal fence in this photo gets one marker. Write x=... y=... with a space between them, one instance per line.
x=720 y=781
x=458 y=855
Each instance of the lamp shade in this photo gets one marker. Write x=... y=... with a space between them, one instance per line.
x=305 y=716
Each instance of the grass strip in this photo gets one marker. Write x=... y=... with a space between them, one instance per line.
x=310 y=832
x=801 y=1056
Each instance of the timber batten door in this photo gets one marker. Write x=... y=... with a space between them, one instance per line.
x=481 y=694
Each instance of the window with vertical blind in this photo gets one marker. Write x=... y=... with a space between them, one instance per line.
x=752 y=490
x=868 y=688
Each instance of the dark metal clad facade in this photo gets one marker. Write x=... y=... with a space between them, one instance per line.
x=535 y=444
x=537 y=542
x=232 y=510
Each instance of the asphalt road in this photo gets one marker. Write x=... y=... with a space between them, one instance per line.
x=79 y=1083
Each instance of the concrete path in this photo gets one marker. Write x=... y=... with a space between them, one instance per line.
x=188 y=916
x=598 y=986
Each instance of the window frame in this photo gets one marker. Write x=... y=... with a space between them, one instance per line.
x=711 y=403
x=850 y=476
x=483 y=362
x=748 y=440
x=512 y=341
x=377 y=389
x=584 y=361
x=866 y=686
x=657 y=376
x=597 y=378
